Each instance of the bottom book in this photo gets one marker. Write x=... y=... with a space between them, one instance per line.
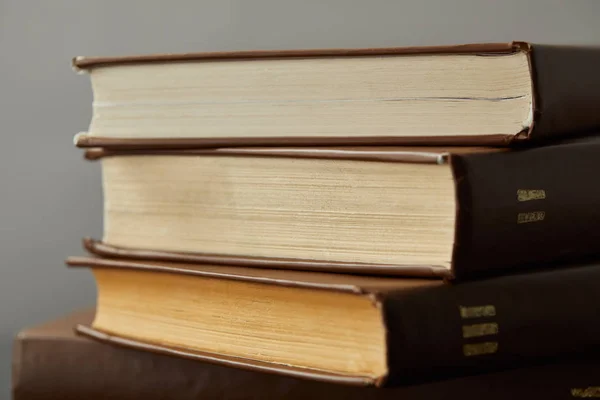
x=51 y=362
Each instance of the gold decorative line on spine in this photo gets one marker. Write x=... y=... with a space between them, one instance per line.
x=477 y=330
x=477 y=311
x=528 y=195
x=589 y=392
x=536 y=216
x=479 y=349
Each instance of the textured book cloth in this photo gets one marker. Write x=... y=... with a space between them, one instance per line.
x=50 y=362
x=466 y=94
x=342 y=328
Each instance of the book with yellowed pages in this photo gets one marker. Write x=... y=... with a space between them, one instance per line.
x=445 y=212
x=478 y=94
x=362 y=330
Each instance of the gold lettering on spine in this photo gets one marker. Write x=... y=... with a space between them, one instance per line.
x=536 y=216
x=477 y=330
x=589 y=392
x=477 y=311
x=479 y=349
x=528 y=195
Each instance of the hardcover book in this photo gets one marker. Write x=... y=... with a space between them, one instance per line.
x=50 y=363
x=426 y=211
x=349 y=329
x=478 y=94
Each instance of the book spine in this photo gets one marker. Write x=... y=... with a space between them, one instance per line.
x=462 y=329
x=525 y=208
x=566 y=86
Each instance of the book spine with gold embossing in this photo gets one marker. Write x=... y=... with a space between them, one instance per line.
x=526 y=207
x=471 y=327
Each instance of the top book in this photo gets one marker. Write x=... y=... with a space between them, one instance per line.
x=477 y=94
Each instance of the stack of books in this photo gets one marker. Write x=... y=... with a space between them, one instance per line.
x=376 y=223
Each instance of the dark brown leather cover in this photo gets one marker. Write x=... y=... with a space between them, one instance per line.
x=434 y=329
x=51 y=362
x=83 y=140
x=499 y=228
x=408 y=154
x=84 y=63
x=565 y=83
x=426 y=271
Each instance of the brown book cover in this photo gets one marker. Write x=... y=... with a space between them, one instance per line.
x=514 y=209
x=433 y=329
x=51 y=362
x=565 y=84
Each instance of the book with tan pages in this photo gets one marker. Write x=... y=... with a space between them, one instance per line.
x=454 y=212
x=346 y=329
x=477 y=94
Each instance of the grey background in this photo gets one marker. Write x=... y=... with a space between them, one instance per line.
x=50 y=198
